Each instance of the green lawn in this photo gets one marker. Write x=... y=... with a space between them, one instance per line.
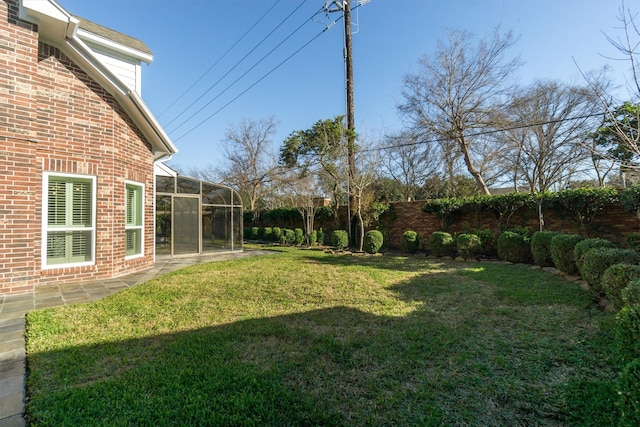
x=301 y=337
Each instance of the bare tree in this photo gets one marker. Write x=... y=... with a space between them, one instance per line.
x=458 y=91
x=410 y=160
x=619 y=135
x=303 y=191
x=366 y=161
x=250 y=164
x=548 y=123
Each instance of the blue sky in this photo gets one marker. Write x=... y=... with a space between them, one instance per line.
x=188 y=36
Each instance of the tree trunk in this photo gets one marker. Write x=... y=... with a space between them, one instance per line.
x=471 y=168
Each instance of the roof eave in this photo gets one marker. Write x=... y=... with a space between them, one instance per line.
x=59 y=28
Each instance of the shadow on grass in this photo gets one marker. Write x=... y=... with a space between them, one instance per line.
x=456 y=359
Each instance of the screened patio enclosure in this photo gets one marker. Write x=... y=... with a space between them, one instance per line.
x=195 y=217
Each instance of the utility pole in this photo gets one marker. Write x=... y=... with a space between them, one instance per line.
x=351 y=123
x=345 y=7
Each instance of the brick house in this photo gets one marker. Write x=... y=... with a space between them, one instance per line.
x=77 y=150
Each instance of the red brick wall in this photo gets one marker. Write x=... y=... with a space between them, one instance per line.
x=53 y=117
x=612 y=224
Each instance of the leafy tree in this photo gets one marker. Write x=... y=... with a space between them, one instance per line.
x=619 y=135
x=458 y=92
x=319 y=148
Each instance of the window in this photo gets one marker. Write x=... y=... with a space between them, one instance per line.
x=69 y=227
x=133 y=220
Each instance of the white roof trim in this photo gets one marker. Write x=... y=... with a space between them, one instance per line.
x=57 y=27
x=111 y=45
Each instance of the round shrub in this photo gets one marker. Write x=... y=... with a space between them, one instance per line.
x=313 y=237
x=410 y=241
x=441 y=244
x=584 y=246
x=628 y=332
x=514 y=247
x=320 y=236
x=562 y=247
x=468 y=245
x=277 y=234
x=267 y=234
x=255 y=233
x=628 y=388
x=288 y=236
x=246 y=232
x=299 y=236
x=372 y=241
x=340 y=239
x=632 y=241
x=615 y=279
x=488 y=242
x=541 y=248
x=596 y=262
x=631 y=294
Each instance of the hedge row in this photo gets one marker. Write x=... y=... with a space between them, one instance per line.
x=580 y=205
x=284 y=236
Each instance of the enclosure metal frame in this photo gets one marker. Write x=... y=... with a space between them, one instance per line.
x=205 y=192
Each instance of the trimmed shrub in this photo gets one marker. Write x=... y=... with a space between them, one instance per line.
x=277 y=234
x=299 y=236
x=340 y=239
x=628 y=332
x=320 y=236
x=410 y=241
x=628 y=388
x=562 y=247
x=584 y=246
x=514 y=247
x=255 y=233
x=541 y=248
x=615 y=279
x=441 y=244
x=372 y=241
x=488 y=242
x=468 y=245
x=631 y=294
x=289 y=236
x=596 y=262
x=246 y=233
x=313 y=238
x=267 y=234
x=632 y=241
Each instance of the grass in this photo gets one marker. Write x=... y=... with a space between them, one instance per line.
x=302 y=337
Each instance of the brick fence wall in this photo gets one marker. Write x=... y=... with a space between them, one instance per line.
x=612 y=224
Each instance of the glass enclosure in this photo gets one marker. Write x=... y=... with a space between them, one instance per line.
x=195 y=217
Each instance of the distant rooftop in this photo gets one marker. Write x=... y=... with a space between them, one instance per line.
x=113 y=35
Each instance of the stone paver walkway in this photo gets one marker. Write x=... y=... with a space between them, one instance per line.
x=14 y=307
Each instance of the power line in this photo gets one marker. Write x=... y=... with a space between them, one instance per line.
x=219 y=59
x=236 y=65
x=486 y=132
x=254 y=84
x=327 y=27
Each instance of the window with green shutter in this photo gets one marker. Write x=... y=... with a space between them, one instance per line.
x=70 y=229
x=133 y=219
